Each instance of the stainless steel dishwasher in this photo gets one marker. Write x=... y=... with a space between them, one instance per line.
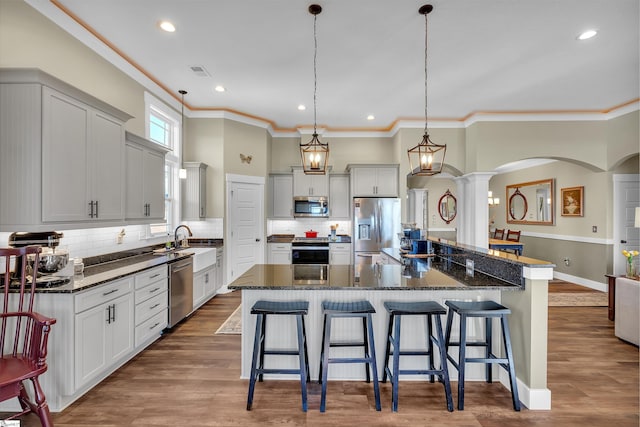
x=180 y=290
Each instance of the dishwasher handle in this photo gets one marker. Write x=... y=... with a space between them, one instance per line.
x=179 y=267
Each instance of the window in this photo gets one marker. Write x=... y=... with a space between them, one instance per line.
x=163 y=127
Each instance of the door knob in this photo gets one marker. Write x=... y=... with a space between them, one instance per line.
x=623 y=241
x=257 y=240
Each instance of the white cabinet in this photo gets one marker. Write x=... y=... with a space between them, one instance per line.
x=281 y=196
x=279 y=253
x=339 y=200
x=220 y=282
x=151 y=304
x=144 y=179
x=103 y=329
x=194 y=191
x=310 y=185
x=61 y=154
x=374 y=180
x=204 y=285
x=340 y=253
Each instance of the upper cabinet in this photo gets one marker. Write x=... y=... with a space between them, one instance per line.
x=374 y=180
x=280 y=193
x=144 y=179
x=339 y=200
x=310 y=185
x=194 y=191
x=61 y=154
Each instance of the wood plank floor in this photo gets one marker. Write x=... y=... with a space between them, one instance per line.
x=190 y=377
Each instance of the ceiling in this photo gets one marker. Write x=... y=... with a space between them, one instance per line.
x=492 y=56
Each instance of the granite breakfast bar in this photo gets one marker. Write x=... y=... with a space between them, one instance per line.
x=454 y=272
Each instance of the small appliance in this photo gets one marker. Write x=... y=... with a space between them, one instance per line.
x=51 y=270
x=310 y=207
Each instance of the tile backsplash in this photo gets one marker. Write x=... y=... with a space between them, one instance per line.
x=299 y=226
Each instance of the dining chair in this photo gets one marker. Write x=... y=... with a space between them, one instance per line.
x=513 y=236
x=23 y=335
x=498 y=233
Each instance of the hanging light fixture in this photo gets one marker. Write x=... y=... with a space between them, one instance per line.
x=426 y=158
x=182 y=174
x=314 y=153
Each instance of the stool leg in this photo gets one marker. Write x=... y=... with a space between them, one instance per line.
x=461 y=360
x=396 y=365
x=430 y=345
x=443 y=363
x=366 y=348
x=303 y=365
x=512 y=371
x=262 y=344
x=254 y=360
x=387 y=351
x=447 y=338
x=489 y=349
x=325 y=360
x=324 y=335
x=306 y=352
x=372 y=351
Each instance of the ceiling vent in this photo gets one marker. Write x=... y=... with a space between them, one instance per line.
x=200 y=71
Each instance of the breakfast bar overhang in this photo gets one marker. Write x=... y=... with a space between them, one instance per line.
x=454 y=272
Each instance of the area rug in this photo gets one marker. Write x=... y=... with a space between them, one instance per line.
x=233 y=324
x=578 y=296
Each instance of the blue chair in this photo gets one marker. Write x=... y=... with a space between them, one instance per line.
x=291 y=308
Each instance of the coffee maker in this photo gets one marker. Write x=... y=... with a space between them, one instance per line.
x=50 y=271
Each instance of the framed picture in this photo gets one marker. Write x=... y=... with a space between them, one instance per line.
x=572 y=201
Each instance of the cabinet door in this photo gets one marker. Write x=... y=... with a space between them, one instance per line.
x=387 y=182
x=90 y=344
x=364 y=181
x=319 y=185
x=302 y=184
x=282 y=196
x=198 y=289
x=107 y=167
x=279 y=253
x=134 y=198
x=339 y=201
x=340 y=253
x=154 y=183
x=64 y=146
x=120 y=330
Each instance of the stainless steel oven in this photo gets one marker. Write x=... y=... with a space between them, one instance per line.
x=310 y=250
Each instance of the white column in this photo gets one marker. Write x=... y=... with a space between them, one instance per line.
x=473 y=207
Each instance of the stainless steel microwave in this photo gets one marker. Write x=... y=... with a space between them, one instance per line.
x=314 y=207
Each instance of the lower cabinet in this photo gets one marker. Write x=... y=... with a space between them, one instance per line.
x=340 y=253
x=204 y=285
x=151 y=304
x=279 y=253
x=103 y=329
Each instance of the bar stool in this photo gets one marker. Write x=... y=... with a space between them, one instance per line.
x=488 y=310
x=263 y=309
x=362 y=309
x=431 y=310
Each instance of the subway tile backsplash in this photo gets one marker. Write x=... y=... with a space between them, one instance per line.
x=299 y=226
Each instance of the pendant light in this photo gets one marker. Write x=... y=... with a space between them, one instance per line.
x=314 y=153
x=182 y=174
x=426 y=158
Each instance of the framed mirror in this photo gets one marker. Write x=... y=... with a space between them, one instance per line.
x=447 y=206
x=530 y=202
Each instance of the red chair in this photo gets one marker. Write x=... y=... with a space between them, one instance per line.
x=513 y=236
x=23 y=336
x=498 y=233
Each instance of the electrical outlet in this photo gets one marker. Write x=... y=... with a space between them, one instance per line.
x=567 y=261
x=594 y=228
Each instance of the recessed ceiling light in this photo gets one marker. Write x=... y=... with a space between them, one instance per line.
x=587 y=34
x=301 y=107
x=370 y=117
x=167 y=26
x=219 y=88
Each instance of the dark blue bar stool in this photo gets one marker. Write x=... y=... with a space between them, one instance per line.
x=362 y=309
x=293 y=308
x=432 y=310
x=488 y=310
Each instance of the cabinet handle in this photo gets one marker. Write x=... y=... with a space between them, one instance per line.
x=206 y=278
x=104 y=294
x=154 y=306
x=154 y=276
x=154 y=290
x=113 y=312
x=152 y=327
x=108 y=314
x=91 y=209
x=96 y=209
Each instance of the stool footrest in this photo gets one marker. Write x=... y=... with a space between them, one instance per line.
x=350 y=360
x=277 y=371
x=412 y=353
x=346 y=344
x=485 y=360
x=469 y=344
x=282 y=352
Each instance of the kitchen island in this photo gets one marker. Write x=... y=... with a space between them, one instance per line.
x=454 y=272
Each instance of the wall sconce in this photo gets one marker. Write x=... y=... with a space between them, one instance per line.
x=493 y=201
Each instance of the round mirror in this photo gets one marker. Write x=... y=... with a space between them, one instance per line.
x=447 y=207
x=517 y=206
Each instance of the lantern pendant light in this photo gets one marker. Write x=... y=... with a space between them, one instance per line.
x=315 y=154
x=426 y=158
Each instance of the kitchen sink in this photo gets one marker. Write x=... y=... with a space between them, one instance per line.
x=202 y=258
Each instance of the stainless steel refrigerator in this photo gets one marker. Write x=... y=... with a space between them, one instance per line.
x=376 y=224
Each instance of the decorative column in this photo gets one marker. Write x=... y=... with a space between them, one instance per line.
x=473 y=208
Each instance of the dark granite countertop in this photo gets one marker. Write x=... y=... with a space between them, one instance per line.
x=288 y=238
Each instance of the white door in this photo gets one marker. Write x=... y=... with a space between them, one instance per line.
x=626 y=197
x=245 y=230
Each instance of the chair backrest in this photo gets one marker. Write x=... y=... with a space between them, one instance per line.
x=513 y=236
x=498 y=233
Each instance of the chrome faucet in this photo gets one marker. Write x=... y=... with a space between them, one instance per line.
x=178 y=245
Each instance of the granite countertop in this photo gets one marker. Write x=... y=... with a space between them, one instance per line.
x=288 y=238
x=437 y=273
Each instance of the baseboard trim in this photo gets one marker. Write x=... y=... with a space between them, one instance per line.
x=535 y=399
x=602 y=287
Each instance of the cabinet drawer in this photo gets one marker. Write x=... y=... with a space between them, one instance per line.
x=150 y=276
x=150 y=307
x=151 y=327
x=150 y=290
x=340 y=247
x=102 y=294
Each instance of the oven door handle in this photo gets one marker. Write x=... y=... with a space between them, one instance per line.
x=310 y=248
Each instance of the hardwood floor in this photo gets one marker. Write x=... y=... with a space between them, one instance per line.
x=190 y=377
